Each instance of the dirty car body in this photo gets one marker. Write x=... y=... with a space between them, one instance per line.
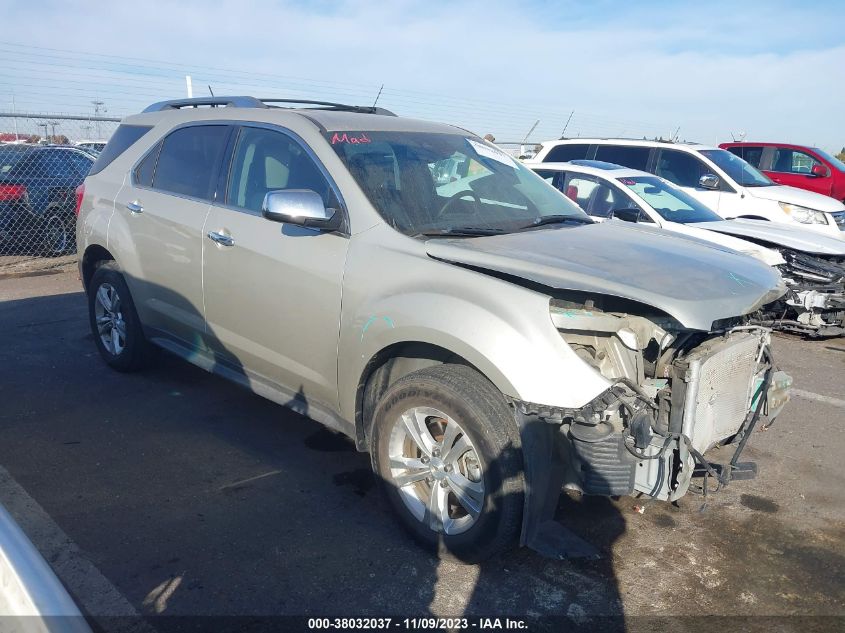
x=610 y=357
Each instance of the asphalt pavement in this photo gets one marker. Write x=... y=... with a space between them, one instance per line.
x=175 y=492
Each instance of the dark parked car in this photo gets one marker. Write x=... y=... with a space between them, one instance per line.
x=38 y=197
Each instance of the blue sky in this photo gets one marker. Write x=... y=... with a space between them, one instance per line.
x=770 y=69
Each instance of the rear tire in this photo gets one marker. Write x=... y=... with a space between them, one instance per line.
x=446 y=448
x=59 y=233
x=114 y=321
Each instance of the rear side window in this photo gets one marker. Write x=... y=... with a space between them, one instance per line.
x=189 y=158
x=564 y=153
x=144 y=171
x=123 y=138
x=627 y=156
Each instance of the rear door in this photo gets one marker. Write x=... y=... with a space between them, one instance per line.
x=272 y=291
x=165 y=209
x=794 y=167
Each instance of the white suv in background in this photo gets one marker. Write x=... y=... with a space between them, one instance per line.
x=719 y=179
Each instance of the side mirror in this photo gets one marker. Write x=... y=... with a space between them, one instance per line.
x=301 y=207
x=820 y=171
x=709 y=181
x=626 y=215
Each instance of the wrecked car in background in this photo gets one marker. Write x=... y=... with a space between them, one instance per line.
x=410 y=285
x=812 y=264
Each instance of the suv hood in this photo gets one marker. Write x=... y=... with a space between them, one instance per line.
x=694 y=282
x=787 y=235
x=794 y=195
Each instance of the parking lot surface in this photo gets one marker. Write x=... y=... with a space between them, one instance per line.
x=174 y=492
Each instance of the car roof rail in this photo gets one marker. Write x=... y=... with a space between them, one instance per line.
x=214 y=102
x=331 y=105
x=253 y=102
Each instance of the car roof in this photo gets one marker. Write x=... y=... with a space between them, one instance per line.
x=329 y=120
x=627 y=141
x=765 y=144
x=610 y=174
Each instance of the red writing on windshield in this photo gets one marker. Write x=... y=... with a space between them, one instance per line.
x=346 y=138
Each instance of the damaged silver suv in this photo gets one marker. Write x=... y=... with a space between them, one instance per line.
x=412 y=286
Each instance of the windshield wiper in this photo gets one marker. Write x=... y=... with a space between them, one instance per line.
x=556 y=219
x=465 y=231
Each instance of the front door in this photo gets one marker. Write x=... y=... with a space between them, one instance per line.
x=272 y=291
x=795 y=168
x=685 y=170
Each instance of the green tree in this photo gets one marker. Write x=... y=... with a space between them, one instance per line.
x=841 y=155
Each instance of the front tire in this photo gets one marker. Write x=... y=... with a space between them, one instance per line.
x=114 y=321
x=445 y=447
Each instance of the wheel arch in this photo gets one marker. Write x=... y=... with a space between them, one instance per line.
x=93 y=257
x=395 y=361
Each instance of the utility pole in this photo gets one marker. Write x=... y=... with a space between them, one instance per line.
x=97 y=105
x=53 y=125
x=15 y=119
x=44 y=125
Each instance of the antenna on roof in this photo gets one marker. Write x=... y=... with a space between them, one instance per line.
x=567 y=124
x=378 y=95
x=536 y=123
x=674 y=137
x=210 y=91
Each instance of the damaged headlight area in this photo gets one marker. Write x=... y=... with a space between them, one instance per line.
x=815 y=301
x=674 y=394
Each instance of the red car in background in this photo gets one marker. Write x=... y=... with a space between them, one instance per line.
x=799 y=166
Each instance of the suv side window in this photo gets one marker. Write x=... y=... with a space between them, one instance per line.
x=792 y=161
x=625 y=155
x=189 y=158
x=564 y=153
x=749 y=153
x=681 y=168
x=266 y=160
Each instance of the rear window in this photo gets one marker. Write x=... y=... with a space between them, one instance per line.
x=625 y=155
x=10 y=157
x=123 y=138
x=564 y=153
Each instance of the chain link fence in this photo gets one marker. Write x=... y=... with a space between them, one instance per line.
x=43 y=159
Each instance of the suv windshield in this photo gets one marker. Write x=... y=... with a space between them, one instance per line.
x=736 y=168
x=423 y=183
x=672 y=204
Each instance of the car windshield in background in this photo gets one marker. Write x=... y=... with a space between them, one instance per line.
x=9 y=157
x=830 y=158
x=425 y=183
x=736 y=168
x=671 y=203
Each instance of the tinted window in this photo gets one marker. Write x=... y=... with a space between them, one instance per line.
x=11 y=156
x=749 y=153
x=52 y=164
x=681 y=168
x=144 y=171
x=792 y=161
x=81 y=162
x=122 y=139
x=189 y=158
x=633 y=157
x=563 y=153
x=267 y=161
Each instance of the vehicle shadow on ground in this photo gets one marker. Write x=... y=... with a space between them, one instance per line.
x=211 y=493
